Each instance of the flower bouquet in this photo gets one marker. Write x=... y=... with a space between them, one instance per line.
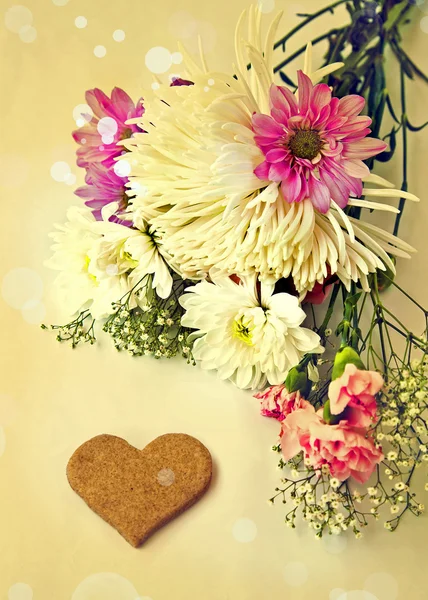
x=223 y=207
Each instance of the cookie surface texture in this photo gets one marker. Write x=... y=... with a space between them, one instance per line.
x=139 y=491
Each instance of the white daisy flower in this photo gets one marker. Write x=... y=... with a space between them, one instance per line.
x=86 y=279
x=101 y=261
x=196 y=167
x=249 y=336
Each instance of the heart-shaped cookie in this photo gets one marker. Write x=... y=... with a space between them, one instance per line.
x=138 y=491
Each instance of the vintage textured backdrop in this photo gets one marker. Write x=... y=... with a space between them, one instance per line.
x=231 y=545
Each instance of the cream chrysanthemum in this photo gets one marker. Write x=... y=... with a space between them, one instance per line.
x=196 y=166
x=249 y=337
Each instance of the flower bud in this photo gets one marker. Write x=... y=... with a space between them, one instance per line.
x=297 y=381
x=343 y=357
x=328 y=417
x=385 y=278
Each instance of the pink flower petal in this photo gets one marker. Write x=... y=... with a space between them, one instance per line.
x=279 y=171
x=291 y=187
x=123 y=104
x=276 y=154
x=262 y=171
x=279 y=102
x=351 y=105
x=305 y=88
x=319 y=194
x=338 y=190
x=364 y=148
x=356 y=168
x=320 y=98
x=266 y=126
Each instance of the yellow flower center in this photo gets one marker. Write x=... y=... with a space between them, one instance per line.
x=242 y=330
x=305 y=143
x=86 y=268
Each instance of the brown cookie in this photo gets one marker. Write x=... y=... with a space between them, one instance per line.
x=138 y=491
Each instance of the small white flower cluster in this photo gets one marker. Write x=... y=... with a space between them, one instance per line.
x=404 y=428
x=325 y=503
x=76 y=331
x=152 y=329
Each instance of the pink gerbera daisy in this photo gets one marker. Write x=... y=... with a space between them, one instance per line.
x=96 y=147
x=314 y=145
x=104 y=186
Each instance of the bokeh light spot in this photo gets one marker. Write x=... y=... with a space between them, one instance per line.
x=20 y=591
x=122 y=168
x=382 y=585
x=118 y=35
x=244 y=531
x=27 y=34
x=105 y=586
x=35 y=314
x=158 y=60
x=60 y=170
x=81 y=22
x=166 y=477
x=296 y=574
x=22 y=288
x=16 y=17
x=100 y=51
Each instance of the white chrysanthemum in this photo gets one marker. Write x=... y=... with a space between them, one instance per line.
x=90 y=276
x=101 y=261
x=248 y=336
x=138 y=249
x=196 y=167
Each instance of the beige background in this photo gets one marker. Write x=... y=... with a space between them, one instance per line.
x=53 y=399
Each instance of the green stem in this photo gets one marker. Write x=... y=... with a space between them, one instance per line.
x=329 y=313
x=404 y=184
x=308 y=19
x=300 y=51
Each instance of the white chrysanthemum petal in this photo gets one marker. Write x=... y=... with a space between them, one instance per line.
x=246 y=339
x=373 y=206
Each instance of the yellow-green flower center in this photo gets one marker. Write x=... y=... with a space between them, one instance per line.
x=86 y=268
x=305 y=143
x=242 y=330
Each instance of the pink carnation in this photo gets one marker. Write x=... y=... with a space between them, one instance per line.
x=277 y=402
x=354 y=392
x=346 y=451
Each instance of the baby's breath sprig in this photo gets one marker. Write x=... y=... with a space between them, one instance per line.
x=153 y=327
x=326 y=504
x=78 y=330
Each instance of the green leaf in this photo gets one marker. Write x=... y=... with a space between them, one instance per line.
x=394 y=15
x=352 y=301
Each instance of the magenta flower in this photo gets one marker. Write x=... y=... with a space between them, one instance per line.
x=98 y=138
x=104 y=186
x=314 y=145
